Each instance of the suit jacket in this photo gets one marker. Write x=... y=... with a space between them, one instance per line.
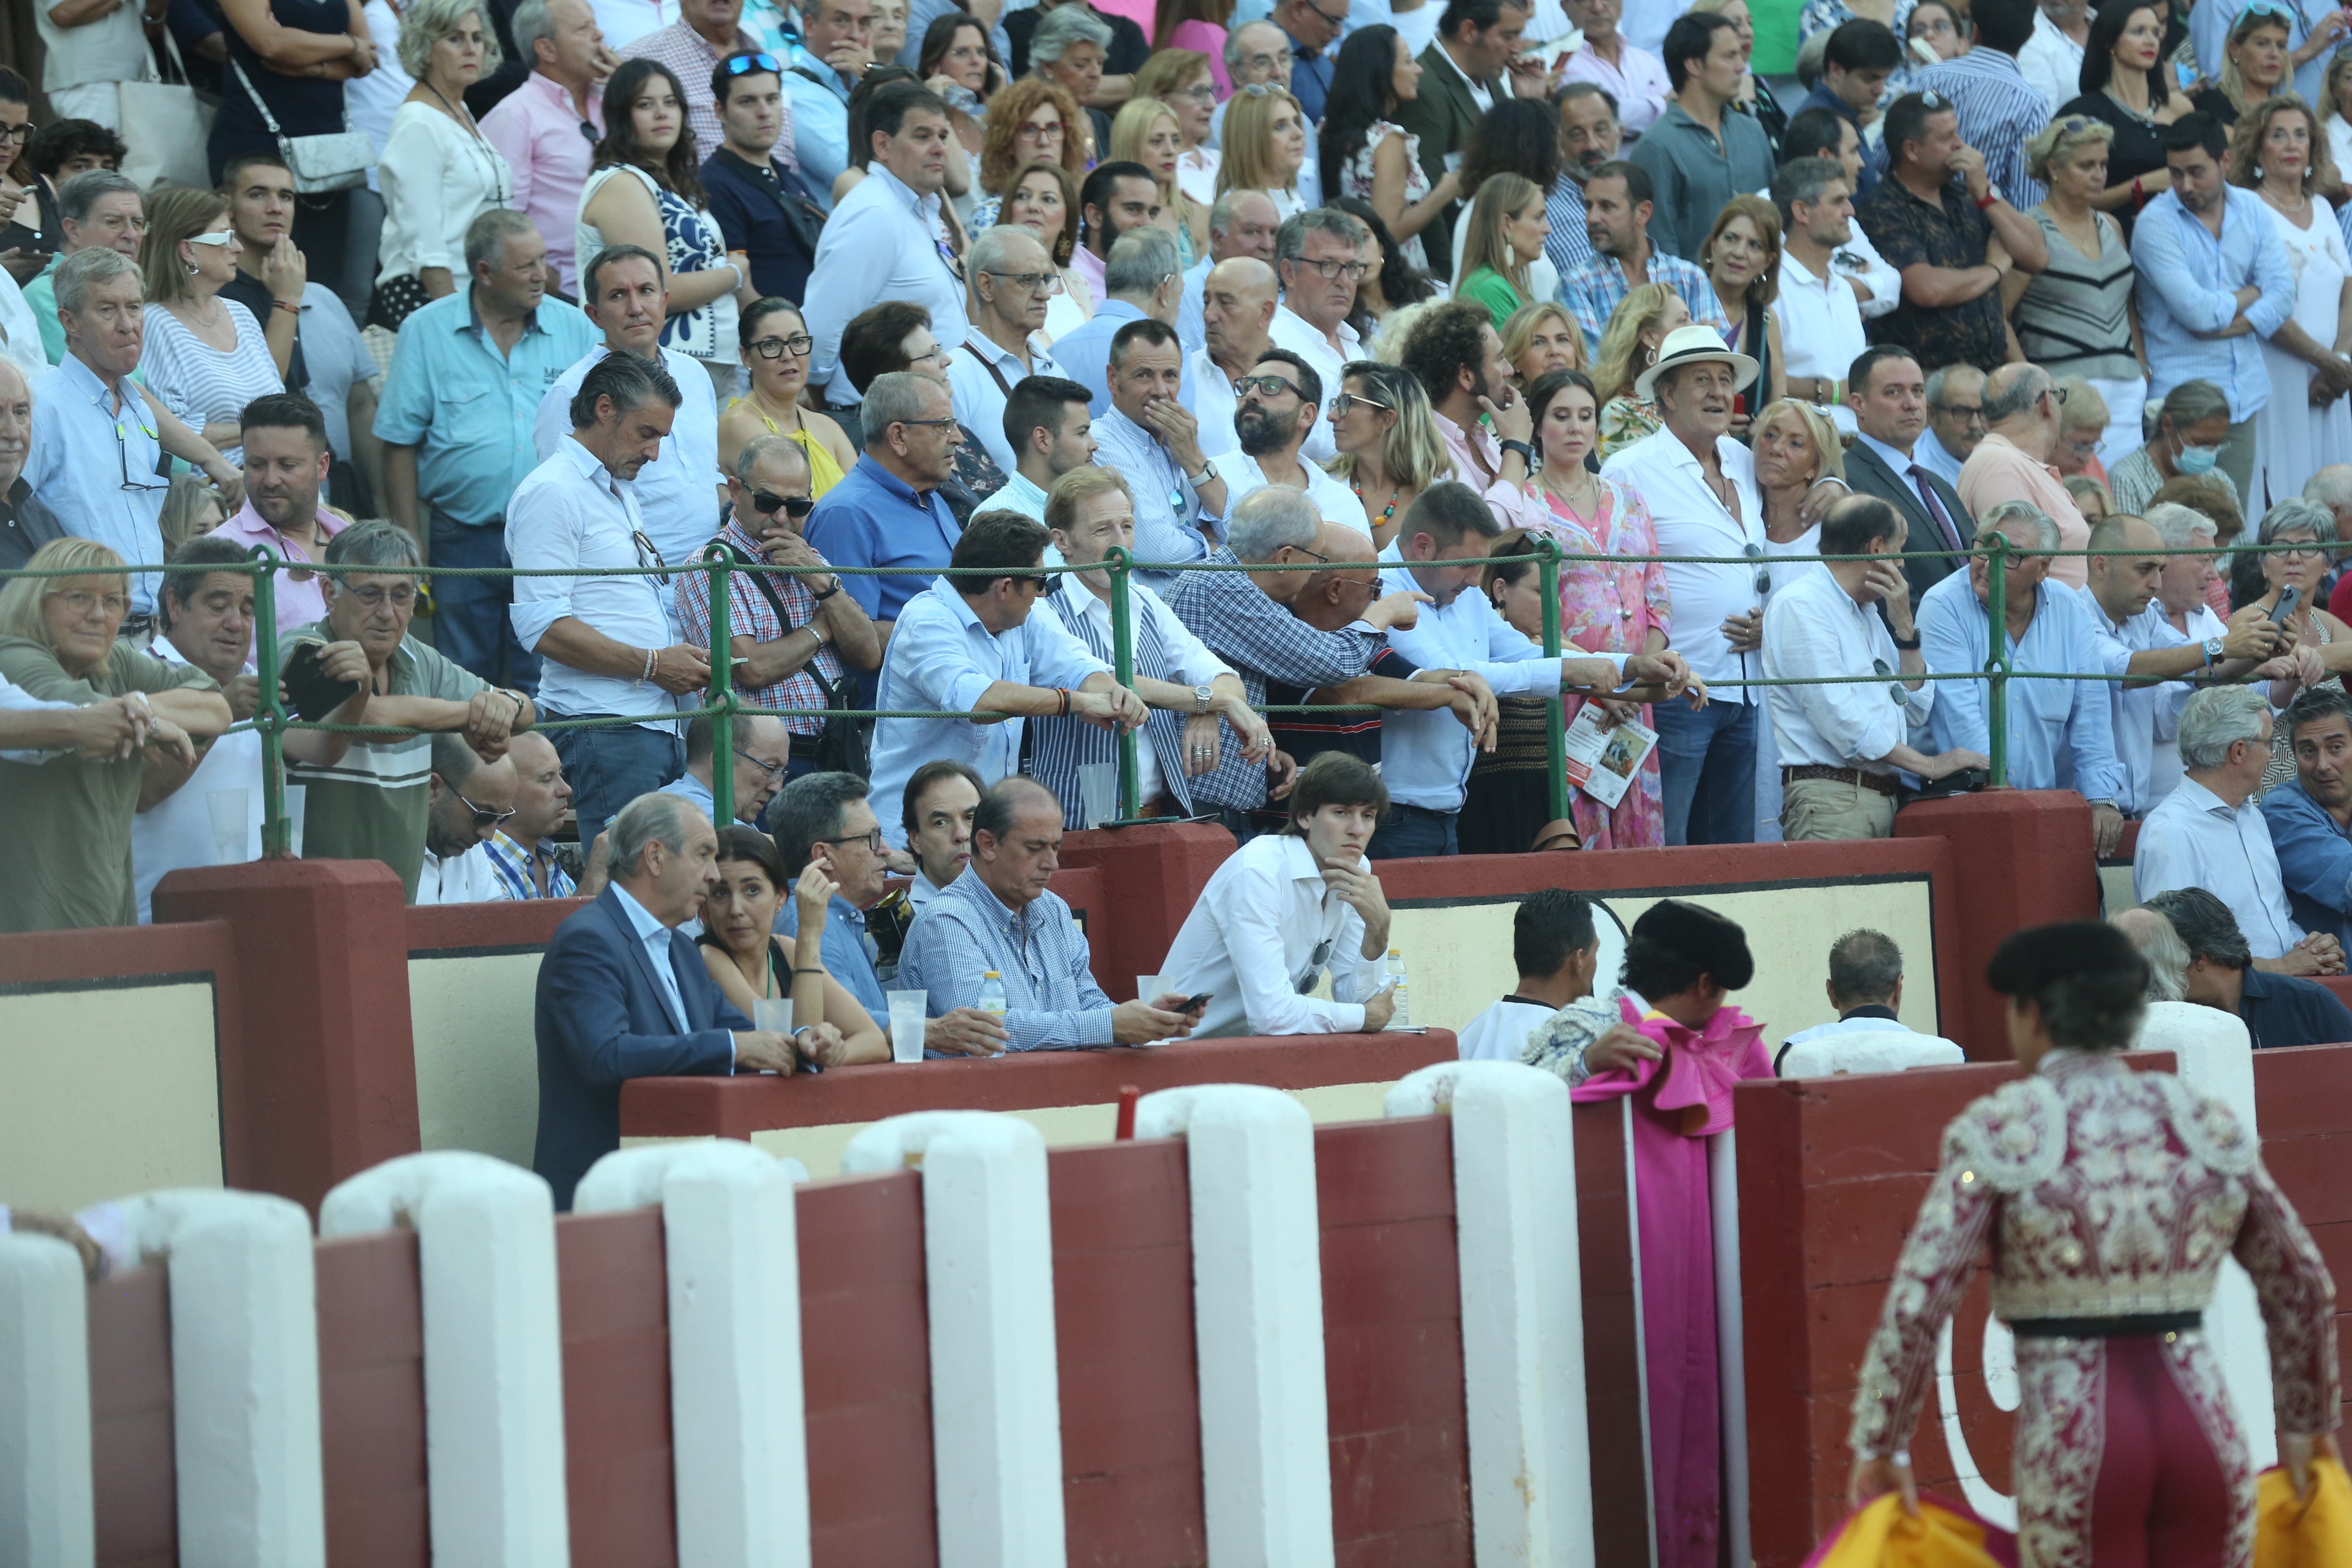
x=25 y=525
x=1442 y=117
x=1867 y=474
x=600 y=1021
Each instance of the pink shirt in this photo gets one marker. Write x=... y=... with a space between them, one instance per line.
x=301 y=596
x=1089 y=266
x=1477 y=460
x=1639 y=85
x=535 y=128
x=1999 y=471
x=1206 y=37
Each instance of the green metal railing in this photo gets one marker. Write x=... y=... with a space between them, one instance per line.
x=724 y=703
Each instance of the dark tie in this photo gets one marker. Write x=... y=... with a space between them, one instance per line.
x=1935 y=507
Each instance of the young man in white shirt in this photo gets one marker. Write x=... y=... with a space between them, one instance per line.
x=1052 y=429
x=1556 y=948
x=1275 y=417
x=941 y=800
x=1820 y=327
x=1865 y=986
x=1286 y=906
x=469 y=799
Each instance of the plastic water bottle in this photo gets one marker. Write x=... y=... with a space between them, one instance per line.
x=1403 y=991
x=991 y=993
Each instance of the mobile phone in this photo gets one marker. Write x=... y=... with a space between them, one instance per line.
x=315 y=693
x=2287 y=601
x=1194 y=1003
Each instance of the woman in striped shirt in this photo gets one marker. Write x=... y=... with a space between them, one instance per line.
x=204 y=357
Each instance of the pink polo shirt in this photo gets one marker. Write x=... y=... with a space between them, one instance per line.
x=1999 y=470
x=537 y=128
x=301 y=596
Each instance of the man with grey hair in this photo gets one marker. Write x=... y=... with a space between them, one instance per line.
x=1821 y=332
x=1956 y=421
x=1141 y=282
x=2021 y=408
x=537 y=127
x=368 y=796
x=622 y=995
x=99 y=438
x=887 y=509
x=1013 y=282
x=1316 y=257
x=1865 y=989
x=25 y=523
x=1242 y=223
x=2160 y=945
x=96 y=208
x=2210 y=833
x=468 y=372
x=2061 y=732
x=763 y=750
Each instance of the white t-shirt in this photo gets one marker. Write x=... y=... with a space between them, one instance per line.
x=177 y=830
x=465 y=879
x=1500 y=1032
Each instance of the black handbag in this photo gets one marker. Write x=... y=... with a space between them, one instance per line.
x=843 y=745
x=803 y=212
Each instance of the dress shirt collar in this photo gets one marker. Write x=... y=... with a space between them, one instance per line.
x=842 y=909
x=642 y=919
x=2197 y=800
x=1020 y=487
x=559 y=95
x=1128 y=431
x=823 y=74
x=249 y=528
x=979 y=344
x=82 y=381
x=892 y=483
x=474 y=324
x=1472 y=82
x=1934 y=445
x=1792 y=267
x=985 y=895
x=1350 y=340
x=2018 y=452
x=924 y=208
x=1900 y=462
x=961 y=608
x=17 y=494
x=589 y=465
x=1084 y=601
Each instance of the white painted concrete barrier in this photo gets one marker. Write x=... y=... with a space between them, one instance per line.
x=493 y=1348
x=1522 y=1306
x=1257 y=1314
x=988 y=1252
x=45 y=1509
x=731 y=1245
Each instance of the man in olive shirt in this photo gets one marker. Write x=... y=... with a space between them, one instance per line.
x=368 y=796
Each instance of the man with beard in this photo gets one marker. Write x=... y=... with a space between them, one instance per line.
x=1279 y=397
x=1589 y=134
x=1619 y=199
x=469 y=799
x=1454 y=351
x=2310 y=815
x=284 y=468
x=1239 y=299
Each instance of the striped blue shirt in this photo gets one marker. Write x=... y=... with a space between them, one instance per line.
x=1052 y=1001
x=1570 y=244
x=1998 y=109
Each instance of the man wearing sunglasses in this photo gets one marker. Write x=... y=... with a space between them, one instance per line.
x=469 y=798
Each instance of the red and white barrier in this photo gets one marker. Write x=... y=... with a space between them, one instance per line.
x=45 y=1519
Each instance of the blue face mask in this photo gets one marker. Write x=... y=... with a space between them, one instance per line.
x=2196 y=459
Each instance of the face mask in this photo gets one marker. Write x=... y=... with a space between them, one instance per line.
x=2197 y=459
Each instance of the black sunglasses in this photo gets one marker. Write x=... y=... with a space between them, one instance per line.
x=484 y=816
x=795 y=507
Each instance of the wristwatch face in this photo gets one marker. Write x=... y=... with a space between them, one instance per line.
x=2212 y=648
x=1201 y=697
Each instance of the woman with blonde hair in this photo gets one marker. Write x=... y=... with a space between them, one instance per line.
x=2277 y=152
x=1180 y=78
x=1390 y=450
x=2256 y=64
x=1145 y=132
x=1796 y=447
x=1741 y=257
x=1628 y=346
x=1540 y=339
x=2083 y=422
x=2075 y=317
x=1029 y=120
x=203 y=357
x=1507 y=231
x=437 y=171
x=2336 y=112
x=1044 y=199
x=1265 y=146
x=2091 y=498
x=70 y=855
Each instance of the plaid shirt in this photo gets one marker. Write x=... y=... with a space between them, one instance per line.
x=1263 y=641
x=511 y=862
x=1052 y=1001
x=1570 y=244
x=689 y=54
x=1593 y=293
x=750 y=613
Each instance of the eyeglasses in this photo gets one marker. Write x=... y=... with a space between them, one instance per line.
x=2073 y=123
x=1048 y=283
x=2300 y=552
x=2057 y=392
x=375 y=596
x=1353 y=272
x=1264 y=386
x=797 y=345
x=122 y=453
x=1318 y=556
x=768 y=770
x=1895 y=688
x=793 y=506
x=2265 y=8
x=948 y=422
x=1203 y=93
x=1972 y=413
x=1347 y=403
x=937 y=351
x=745 y=65
x=484 y=816
x=79 y=603
x=1755 y=553
x=872 y=840
x=20 y=134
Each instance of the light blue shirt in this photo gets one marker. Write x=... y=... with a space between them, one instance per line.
x=685 y=786
x=2142 y=715
x=1425 y=755
x=469 y=409
x=1191 y=307
x=1084 y=351
x=883 y=242
x=84 y=443
x=942 y=658
x=848 y=950
x=2195 y=839
x=820 y=120
x=1052 y=999
x=2187 y=284
x=2060 y=735
x=1167 y=513
x=657 y=939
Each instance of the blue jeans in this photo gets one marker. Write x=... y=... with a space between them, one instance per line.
x=1706 y=772
x=1409 y=832
x=609 y=767
x=471 y=624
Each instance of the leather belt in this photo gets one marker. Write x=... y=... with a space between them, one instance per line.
x=1884 y=784
x=2105 y=1328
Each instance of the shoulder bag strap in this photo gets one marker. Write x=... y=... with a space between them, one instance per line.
x=989 y=365
x=253 y=93
x=775 y=599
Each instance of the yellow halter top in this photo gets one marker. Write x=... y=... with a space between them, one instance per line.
x=824 y=472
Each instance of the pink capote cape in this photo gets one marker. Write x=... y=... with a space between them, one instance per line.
x=1676 y=1103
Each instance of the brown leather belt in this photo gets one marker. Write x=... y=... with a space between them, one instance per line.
x=1884 y=784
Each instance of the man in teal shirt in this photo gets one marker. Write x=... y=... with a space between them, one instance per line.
x=96 y=208
x=456 y=422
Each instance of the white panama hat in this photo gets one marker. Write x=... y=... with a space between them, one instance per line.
x=1694 y=345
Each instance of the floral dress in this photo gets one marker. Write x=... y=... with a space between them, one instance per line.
x=1610 y=609
x=1627 y=419
x=695 y=244
x=1356 y=180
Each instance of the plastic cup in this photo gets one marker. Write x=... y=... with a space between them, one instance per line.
x=296 y=795
x=1147 y=987
x=906 y=1009
x=773 y=1014
x=1099 y=793
x=230 y=844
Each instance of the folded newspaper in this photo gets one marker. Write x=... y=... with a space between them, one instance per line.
x=1603 y=758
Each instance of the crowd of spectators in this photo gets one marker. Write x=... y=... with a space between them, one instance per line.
x=921 y=317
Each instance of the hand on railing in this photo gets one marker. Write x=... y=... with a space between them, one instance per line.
x=112 y=730
x=1474 y=704
x=764 y=1050
x=682 y=667
x=490 y=722
x=1379 y=1009
x=1943 y=764
x=2106 y=828
x=1667 y=669
x=966 y=1032
x=1117 y=709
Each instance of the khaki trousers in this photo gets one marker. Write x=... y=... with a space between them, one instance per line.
x=1831 y=808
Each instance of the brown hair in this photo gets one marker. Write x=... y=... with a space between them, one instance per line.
x=1334 y=778
x=1007 y=110
x=2246 y=143
x=173 y=215
x=1765 y=287
x=1062 y=244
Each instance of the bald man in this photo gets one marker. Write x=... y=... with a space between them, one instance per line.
x=1243 y=223
x=1238 y=300
x=25 y=523
x=2136 y=639
x=469 y=798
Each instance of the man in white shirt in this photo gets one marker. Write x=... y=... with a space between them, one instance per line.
x=1865 y=986
x=607 y=644
x=1839 y=746
x=469 y=798
x=1425 y=756
x=1013 y=281
x=679 y=493
x=1701 y=487
x=884 y=241
x=1278 y=404
x=1051 y=430
x=939 y=802
x=2051 y=60
x=2189 y=570
x=1820 y=318
x=1316 y=256
x=1242 y=226
x=2209 y=833
x=1239 y=298
x=1557 y=948
x=204 y=619
x=1286 y=906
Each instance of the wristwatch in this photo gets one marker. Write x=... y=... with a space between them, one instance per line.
x=1909 y=643
x=829 y=592
x=2212 y=651
x=1201 y=697
x=1526 y=452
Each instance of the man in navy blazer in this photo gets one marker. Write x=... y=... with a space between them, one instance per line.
x=622 y=994
x=1889 y=397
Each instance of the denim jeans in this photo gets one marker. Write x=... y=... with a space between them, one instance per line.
x=1707 y=771
x=471 y=624
x=611 y=766
x=1409 y=832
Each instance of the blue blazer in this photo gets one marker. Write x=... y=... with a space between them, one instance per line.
x=600 y=1021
